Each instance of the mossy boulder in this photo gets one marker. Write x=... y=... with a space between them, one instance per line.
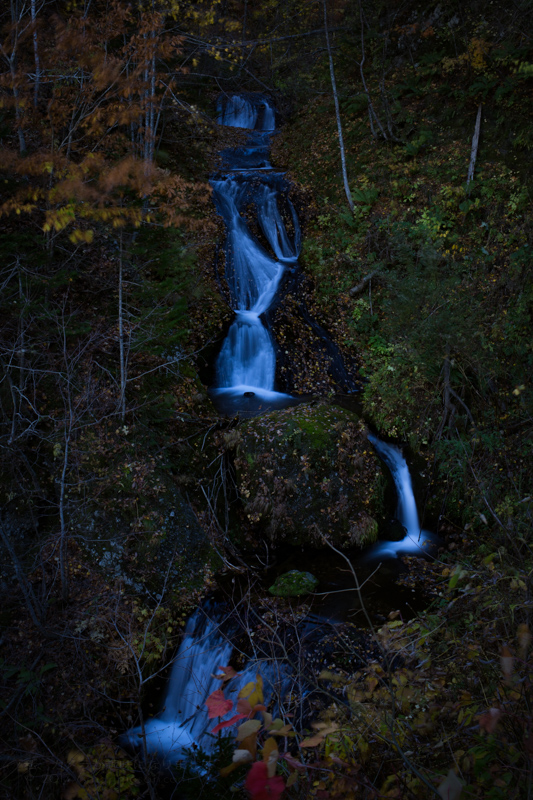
x=308 y=471
x=293 y=584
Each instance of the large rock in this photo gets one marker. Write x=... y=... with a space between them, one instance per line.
x=305 y=472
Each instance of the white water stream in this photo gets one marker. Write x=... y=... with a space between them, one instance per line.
x=245 y=374
x=415 y=540
x=246 y=365
x=183 y=720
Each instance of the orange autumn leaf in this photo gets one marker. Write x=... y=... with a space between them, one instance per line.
x=227 y=674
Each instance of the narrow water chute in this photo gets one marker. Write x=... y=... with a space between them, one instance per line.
x=416 y=539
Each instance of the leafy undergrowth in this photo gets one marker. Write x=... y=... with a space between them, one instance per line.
x=86 y=672
x=427 y=285
x=450 y=262
x=442 y=332
x=443 y=710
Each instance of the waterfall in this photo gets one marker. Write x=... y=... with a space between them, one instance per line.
x=415 y=539
x=246 y=365
x=273 y=226
x=183 y=720
x=246 y=360
x=252 y=275
x=253 y=112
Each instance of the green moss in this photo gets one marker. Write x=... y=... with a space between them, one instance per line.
x=318 y=431
x=293 y=584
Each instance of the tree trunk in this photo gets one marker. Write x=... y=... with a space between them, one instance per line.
x=337 y=113
x=372 y=116
x=358 y=288
x=475 y=145
x=18 y=110
x=122 y=349
x=27 y=590
x=244 y=26
x=63 y=553
x=16 y=16
x=35 y=54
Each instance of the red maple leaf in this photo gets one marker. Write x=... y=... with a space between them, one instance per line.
x=260 y=786
x=227 y=723
x=217 y=705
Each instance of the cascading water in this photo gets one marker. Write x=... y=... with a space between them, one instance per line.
x=179 y=724
x=246 y=111
x=415 y=540
x=183 y=721
x=245 y=368
x=245 y=373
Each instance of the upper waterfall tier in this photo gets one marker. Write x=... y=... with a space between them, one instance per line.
x=262 y=239
x=253 y=112
x=252 y=273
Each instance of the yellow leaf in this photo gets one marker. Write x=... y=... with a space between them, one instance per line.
x=269 y=747
x=225 y=771
x=323 y=730
x=71 y=791
x=250 y=743
x=270 y=756
x=267 y=720
x=247 y=728
x=253 y=691
x=291 y=780
x=312 y=741
x=334 y=677
x=247 y=690
x=75 y=758
x=283 y=731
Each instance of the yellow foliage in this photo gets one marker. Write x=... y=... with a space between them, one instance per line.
x=78 y=236
x=253 y=691
x=475 y=57
x=477 y=50
x=105 y=771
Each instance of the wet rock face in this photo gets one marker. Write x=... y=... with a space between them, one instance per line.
x=308 y=471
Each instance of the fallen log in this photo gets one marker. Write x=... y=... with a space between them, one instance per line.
x=363 y=283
